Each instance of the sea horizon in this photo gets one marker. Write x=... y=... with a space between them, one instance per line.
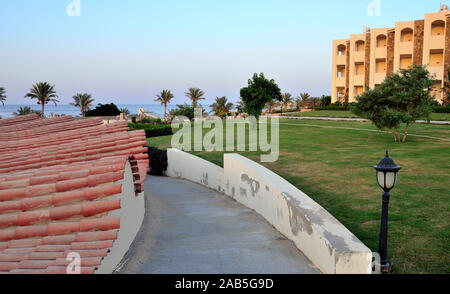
x=8 y=110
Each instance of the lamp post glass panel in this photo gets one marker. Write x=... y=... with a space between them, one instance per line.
x=387 y=172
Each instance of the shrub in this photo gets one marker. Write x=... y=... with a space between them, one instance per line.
x=152 y=130
x=441 y=109
x=334 y=107
x=104 y=110
x=148 y=120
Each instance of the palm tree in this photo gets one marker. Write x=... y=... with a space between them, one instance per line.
x=240 y=107
x=83 y=101
x=287 y=100
x=298 y=104
x=25 y=111
x=2 y=96
x=305 y=99
x=195 y=94
x=44 y=93
x=164 y=98
x=271 y=105
x=221 y=107
x=125 y=111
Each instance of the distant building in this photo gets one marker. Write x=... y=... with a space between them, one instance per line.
x=365 y=60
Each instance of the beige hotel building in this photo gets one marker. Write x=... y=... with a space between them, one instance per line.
x=365 y=60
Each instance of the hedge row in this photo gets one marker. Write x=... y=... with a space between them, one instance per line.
x=441 y=109
x=333 y=107
x=152 y=130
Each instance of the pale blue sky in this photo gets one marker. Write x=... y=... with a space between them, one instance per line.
x=126 y=51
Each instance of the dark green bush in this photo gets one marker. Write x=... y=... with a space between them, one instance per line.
x=334 y=107
x=152 y=130
x=148 y=120
x=104 y=110
x=441 y=109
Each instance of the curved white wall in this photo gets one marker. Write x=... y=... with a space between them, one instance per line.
x=320 y=236
x=131 y=216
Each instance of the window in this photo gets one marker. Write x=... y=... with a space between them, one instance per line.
x=359 y=90
x=341 y=71
x=341 y=49
x=359 y=68
x=380 y=66
x=407 y=35
x=436 y=57
x=438 y=28
x=381 y=41
x=405 y=61
x=359 y=46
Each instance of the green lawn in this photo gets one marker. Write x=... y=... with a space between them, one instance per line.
x=349 y=114
x=333 y=165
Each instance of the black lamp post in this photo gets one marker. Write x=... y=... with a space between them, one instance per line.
x=387 y=178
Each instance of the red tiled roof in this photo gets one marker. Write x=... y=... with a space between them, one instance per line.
x=57 y=177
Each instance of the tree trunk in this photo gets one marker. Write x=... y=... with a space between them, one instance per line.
x=406 y=133
x=165 y=110
x=397 y=134
x=42 y=114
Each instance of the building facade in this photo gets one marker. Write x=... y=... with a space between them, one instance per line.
x=365 y=60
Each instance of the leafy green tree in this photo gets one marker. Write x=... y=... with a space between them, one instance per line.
x=404 y=97
x=325 y=100
x=221 y=107
x=104 y=110
x=446 y=89
x=259 y=91
x=195 y=94
x=286 y=101
x=82 y=101
x=2 y=96
x=25 y=111
x=44 y=93
x=164 y=98
x=183 y=110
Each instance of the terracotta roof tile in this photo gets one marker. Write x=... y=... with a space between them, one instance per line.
x=56 y=179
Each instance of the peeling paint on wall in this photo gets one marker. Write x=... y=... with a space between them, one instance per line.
x=254 y=185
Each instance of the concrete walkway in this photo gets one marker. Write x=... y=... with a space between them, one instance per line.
x=190 y=229
x=433 y=122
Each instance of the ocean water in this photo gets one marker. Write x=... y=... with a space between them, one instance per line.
x=8 y=110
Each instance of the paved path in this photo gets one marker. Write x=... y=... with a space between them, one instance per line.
x=190 y=229
x=434 y=122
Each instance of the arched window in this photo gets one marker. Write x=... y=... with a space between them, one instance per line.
x=407 y=35
x=438 y=28
x=341 y=49
x=381 y=41
x=359 y=46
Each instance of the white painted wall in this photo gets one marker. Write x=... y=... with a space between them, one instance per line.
x=131 y=216
x=195 y=169
x=321 y=237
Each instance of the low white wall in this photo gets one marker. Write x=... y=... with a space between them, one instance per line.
x=195 y=169
x=131 y=216
x=321 y=237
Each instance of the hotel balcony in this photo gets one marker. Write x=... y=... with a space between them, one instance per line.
x=437 y=42
x=341 y=59
x=380 y=52
x=360 y=56
x=358 y=80
x=340 y=82
x=379 y=78
x=406 y=48
x=438 y=71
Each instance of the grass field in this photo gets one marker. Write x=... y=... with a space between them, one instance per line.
x=332 y=163
x=349 y=114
